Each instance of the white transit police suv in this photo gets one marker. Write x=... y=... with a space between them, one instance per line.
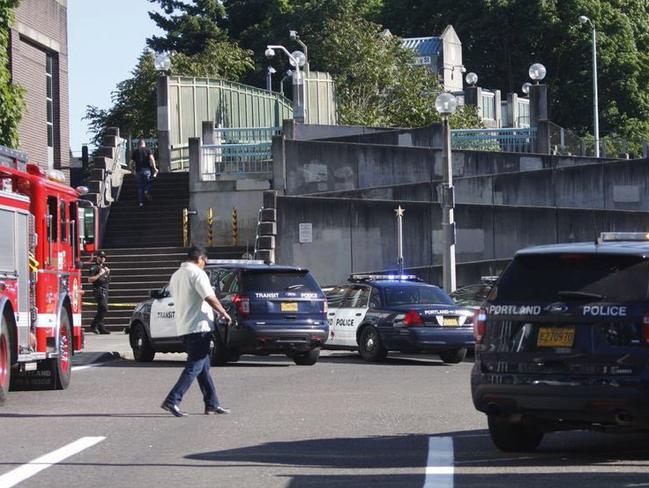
x=275 y=310
x=562 y=342
x=375 y=314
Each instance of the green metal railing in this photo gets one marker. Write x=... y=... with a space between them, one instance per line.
x=503 y=140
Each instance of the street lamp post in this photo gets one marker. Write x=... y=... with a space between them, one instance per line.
x=289 y=74
x=297 y=60
x=269 y=78
x=446 y=104
x=585 y=20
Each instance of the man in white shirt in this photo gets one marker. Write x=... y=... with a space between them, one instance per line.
x=194 y=298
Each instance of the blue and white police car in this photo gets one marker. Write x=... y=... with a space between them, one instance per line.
x=275 y=310
x=375 y=314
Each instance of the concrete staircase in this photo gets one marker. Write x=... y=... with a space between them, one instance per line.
x=144 y=247
x=157 y=224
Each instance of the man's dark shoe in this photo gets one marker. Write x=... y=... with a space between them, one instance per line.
x=173 y=409
x=95 y=330
x=148 y=196
x=217 y=410
x=103 y=331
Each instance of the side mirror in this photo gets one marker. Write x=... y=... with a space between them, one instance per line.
x=158 y=294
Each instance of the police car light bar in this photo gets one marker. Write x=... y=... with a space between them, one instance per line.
x=235 y=261
x=396 y=277
x=623 y=236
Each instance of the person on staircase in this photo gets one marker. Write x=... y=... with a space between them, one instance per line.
x=100 y=279
x=145 y=171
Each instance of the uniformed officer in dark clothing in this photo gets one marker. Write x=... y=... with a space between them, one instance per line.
x=100 y=279
x=145 y=171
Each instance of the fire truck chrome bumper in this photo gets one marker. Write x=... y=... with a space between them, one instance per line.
x=32 y=356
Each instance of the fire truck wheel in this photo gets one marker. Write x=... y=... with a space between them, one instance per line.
x=142 y=350
x=5 y=359
x=61 y=367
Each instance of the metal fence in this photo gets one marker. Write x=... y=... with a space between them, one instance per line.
x=235 y=160
x=498 y=140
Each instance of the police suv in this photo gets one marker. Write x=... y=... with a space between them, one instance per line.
x=275 y=309
x=379 y=313
x=562 y=342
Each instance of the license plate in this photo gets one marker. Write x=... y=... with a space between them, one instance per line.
x=288 y=307
x=556 y=337
x=450 y=321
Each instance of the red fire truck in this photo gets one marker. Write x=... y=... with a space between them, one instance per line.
x=43 y=225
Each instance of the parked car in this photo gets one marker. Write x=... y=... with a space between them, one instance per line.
x=275 y=310
x=375 y=314
x=474 y=295
x=562 y=342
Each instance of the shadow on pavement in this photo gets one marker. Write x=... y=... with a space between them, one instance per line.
x=397 y=360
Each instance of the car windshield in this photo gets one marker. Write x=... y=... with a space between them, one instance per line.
x=565 y=277
x=416 y=294
x=471 y=295
x=278 y=281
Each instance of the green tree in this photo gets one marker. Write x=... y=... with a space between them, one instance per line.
x=11 y=95
x=501 y=38
x=134 y=99
x=134 y=104
x=377 y=83
x=188 y=26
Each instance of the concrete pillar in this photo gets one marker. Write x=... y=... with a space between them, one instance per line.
x=539 y=117
x=512 y=113
x=498 y=108
x=195 y=162
x=162 y=124
x=473 y=97
x=208 y=132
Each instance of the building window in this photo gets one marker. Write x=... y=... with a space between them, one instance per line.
x=488 y=108
x=49 y=93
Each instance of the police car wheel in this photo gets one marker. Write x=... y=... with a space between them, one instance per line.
x=5 y=359
x=454 y=356
x=308 y=358
x=370 y=347
x=143 y=352
x=219 y=354
x=510 y=437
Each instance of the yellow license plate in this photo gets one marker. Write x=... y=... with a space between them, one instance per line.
x=556 y=337
x=288 y=307
x=450 y=321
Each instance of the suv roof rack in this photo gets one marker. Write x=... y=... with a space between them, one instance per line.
x=623 y=236
x=378 y=277
x=235 y=261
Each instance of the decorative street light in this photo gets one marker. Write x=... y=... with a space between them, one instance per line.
x=537 y=72
x=162 y=62
x=289 y=74
x=270 y=71
x=294 y=35
x=446 y=104
x=471 y=78
x=585 y=20
x=526 y=88
x=297 y=60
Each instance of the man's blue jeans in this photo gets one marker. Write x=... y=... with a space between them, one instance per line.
x=144 y=183
x=197 y=367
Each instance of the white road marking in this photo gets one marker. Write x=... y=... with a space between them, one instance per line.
x=28 y=470
x=439 y=468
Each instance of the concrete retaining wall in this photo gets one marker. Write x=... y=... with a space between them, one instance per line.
x=360 y=235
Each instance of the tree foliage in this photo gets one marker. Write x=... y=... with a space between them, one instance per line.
x=188 y=26
x=11 y=95
x=501 y=38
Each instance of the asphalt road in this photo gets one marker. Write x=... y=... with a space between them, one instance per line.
x=343 y=422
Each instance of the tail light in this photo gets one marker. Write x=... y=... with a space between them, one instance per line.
x=412 y=318
x=645 y=328
x=242 y=303
x=479 y=325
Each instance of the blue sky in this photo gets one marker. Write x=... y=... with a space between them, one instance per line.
x=104 y=42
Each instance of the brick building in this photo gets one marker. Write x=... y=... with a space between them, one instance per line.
x=39 y=63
